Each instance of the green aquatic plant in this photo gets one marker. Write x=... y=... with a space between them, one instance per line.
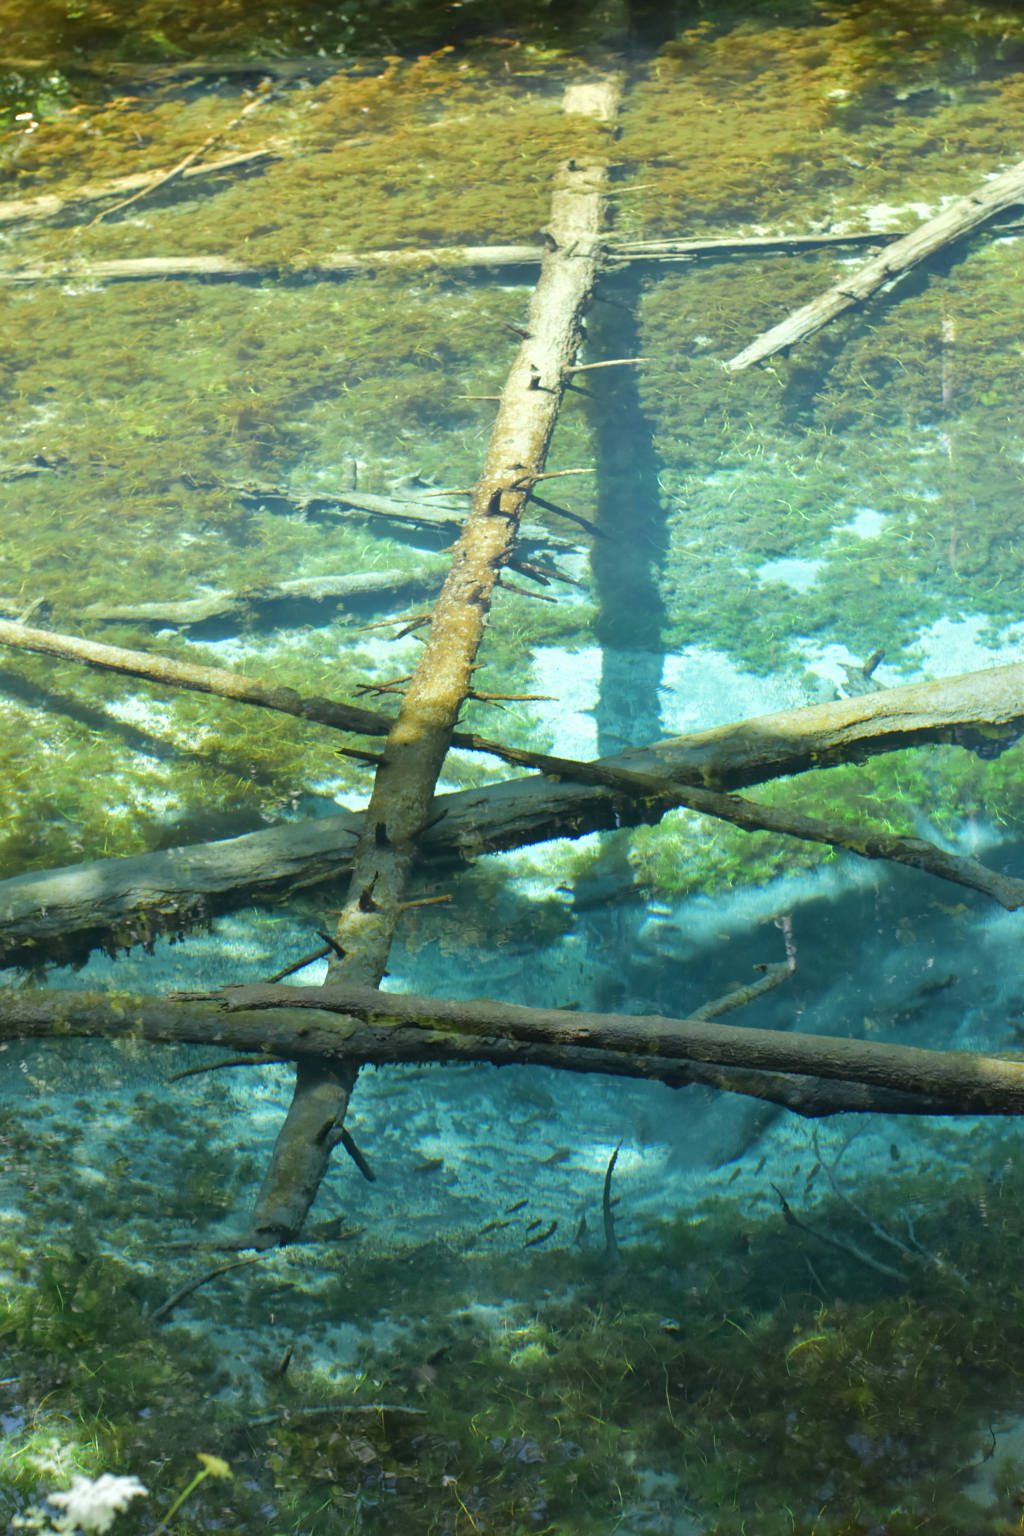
x=732 y=1364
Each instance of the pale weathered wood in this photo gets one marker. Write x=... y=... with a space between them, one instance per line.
x=401 y=805
x=959 y=219
x=333 y=263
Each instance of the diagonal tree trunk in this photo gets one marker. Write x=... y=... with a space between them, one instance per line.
x=401 y=806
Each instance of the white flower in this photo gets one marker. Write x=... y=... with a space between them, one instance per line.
x=93 y=1505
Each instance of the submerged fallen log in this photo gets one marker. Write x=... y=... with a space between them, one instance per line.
x=866 y=842
x=446 y=258
x=215 y=605
x=409 y=512
x=813 y=1075
x=959 y=219
x=62 y=914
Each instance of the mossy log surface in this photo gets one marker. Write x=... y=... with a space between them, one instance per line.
x=63 y=913
x=959 y=219
x=810 y=1074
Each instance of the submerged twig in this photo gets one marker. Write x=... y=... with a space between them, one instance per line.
x=232 y=1061
x=186 y=1290
x=773 y=976
x=611 y=1242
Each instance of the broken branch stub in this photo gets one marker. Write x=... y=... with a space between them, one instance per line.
x=401 y=804
x=959 y=219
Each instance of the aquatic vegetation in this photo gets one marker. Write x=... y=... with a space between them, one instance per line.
x=730 y=1364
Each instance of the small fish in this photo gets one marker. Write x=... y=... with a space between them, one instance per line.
x=930 y=987
x=493 y=1226
x=431 y=1165
x=560 y=1155
x=532 y=1225
x=894 y=1152
x=760 y=1166
x=812 y=1176
x=541 y=1237
x=733 y=1177
x=519 y=1205
x=582 y=1232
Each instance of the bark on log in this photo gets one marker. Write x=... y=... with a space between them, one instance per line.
x=401 y=805
x=959 y=219
x=18 y=210
x=883 y=1079
x=61 y=914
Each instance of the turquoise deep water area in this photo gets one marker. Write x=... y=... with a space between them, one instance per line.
x=569 y=1303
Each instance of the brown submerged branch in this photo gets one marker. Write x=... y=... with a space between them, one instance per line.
x=813 y=1075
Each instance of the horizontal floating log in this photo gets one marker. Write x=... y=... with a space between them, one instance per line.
x=63 y=913
x=342 y=263
x=813 y=1075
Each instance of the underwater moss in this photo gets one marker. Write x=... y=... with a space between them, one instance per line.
x=731 y=1365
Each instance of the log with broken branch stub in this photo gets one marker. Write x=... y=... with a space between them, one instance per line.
x=402 y=802
x=963 y=216
x=63 y=913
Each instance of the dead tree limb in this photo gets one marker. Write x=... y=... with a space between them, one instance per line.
x=159 y=179
x=752 y=817
x=853 y=288
x=63 y=913
x=216 y=605
x=960 y=1076
x=402 y=802
x=183 y=674
x=453 y=257
x=18 y=210
x=814 y=1075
